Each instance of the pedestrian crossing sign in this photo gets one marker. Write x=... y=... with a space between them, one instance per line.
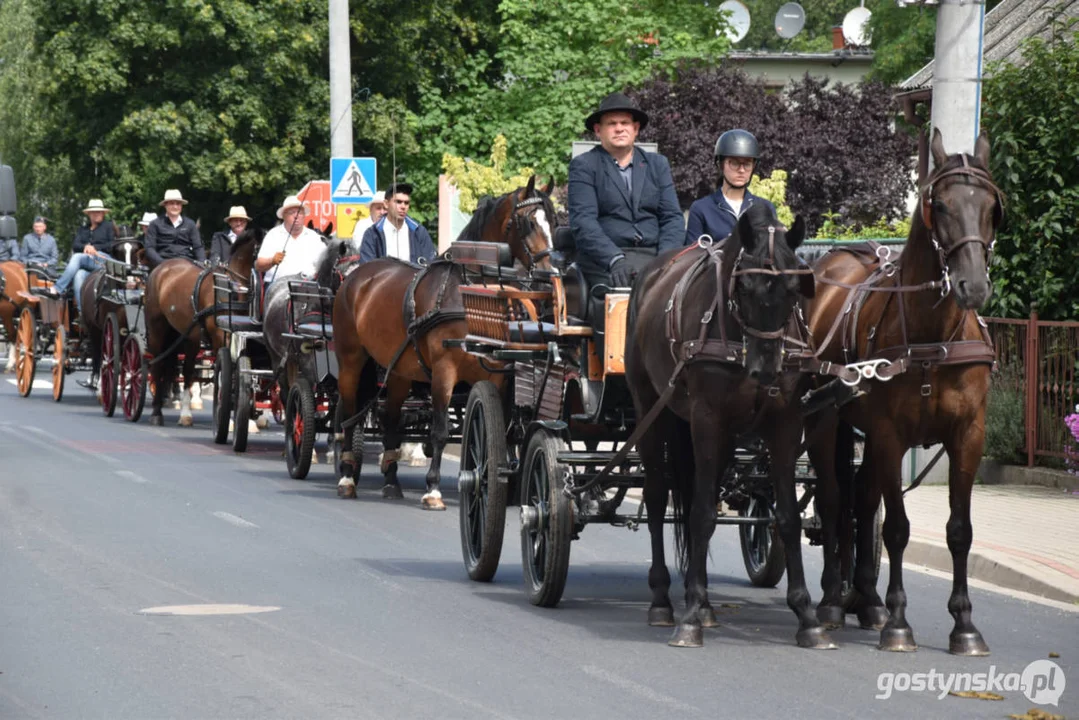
x=353 y=179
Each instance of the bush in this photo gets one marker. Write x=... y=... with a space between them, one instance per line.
x=1005 y=416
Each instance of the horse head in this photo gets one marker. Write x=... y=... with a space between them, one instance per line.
x=766 y=282
x=529 y=226
x=961 y=208
x=328 y=274
x=242 y=257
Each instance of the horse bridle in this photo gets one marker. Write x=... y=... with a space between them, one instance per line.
x=769 y=268
x=927 y=198
x=533 y=257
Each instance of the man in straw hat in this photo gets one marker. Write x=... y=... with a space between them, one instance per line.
x=144 y=222
x=376 y=210
x=290 y=248
x=221 y=243
x=92 y=243
x=173 y=236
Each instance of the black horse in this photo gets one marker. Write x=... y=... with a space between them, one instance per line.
x=724 y=310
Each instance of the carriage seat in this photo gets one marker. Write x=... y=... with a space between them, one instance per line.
x=485 y=257
x=565 y=246
x=238 y=323
x=316 y=325
x=535 y=333
x=576 y=286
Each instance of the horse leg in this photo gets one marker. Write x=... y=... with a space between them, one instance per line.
x=887 y=457
x=191 y=352
x=159 y=336
x=652 y=449
x=964 y=455
x=826 y=456
x=783 y=447
x=710 y=445
x=353 y=394
x=442 y=383
x=397 y=389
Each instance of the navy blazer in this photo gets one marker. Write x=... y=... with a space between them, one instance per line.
x=164 y=241
x=711 y=215
x=606 y=218
x=373 y=245
x=100 y=237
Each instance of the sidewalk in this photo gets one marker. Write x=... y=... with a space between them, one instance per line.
x=1025 y=538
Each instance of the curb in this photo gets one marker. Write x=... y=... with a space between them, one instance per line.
x=981 y=567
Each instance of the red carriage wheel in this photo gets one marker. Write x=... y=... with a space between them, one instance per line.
x=134 y=371
x=26 y=352
x=110 y=364
x=59 y=368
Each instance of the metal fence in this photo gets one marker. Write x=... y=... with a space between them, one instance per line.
x=1042 y=358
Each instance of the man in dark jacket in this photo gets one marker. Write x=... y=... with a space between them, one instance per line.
x=397 y=235
x=39 y=247
x=92 y=242
x=221 y=243
x=623 y=209
x=173 y=236
x=716 y=215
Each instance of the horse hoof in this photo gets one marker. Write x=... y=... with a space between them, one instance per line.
x=392 y=492
x=708 y=617
x=687 y=636
x=894 y=639
x=196 y=403
x=185 y=421
x=872 y=617
x=263 y=422
x=346 y=489
x=831 y=617
x=252 y=427
x=815 y=638
x=431 y=502
x=157 y=420
x=661 y=616
x=971 y=644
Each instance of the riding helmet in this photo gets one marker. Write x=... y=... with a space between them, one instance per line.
x=736 y=143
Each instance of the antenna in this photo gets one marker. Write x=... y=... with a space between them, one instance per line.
x=738 y=22
x=854 y=26
x=790 y=20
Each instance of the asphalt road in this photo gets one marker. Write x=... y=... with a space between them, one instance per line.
x=369 y=613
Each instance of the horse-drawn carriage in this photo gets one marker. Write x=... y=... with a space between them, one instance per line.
x=124 y=366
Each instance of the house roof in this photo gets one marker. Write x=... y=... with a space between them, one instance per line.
x=1006 y=27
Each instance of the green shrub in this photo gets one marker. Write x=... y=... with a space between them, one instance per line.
x=1005 y=420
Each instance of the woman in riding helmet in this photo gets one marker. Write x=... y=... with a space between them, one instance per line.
x=716 y=215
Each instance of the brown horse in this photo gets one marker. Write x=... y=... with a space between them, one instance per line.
x=912 y=322
x=179 y=306
x=14 y=281
x=370 y=328
x=707 y=351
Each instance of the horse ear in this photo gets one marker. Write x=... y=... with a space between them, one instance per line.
x=797 y=233
x=744 y=230
x=549 y=186
x=531 y=186
x=937 y=147
x=981 y=149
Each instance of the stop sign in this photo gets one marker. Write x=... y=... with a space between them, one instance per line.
x=315 y=197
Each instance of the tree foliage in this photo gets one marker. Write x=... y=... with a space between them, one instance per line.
x=473 y=180
x=837 y=142
x=1031 y=114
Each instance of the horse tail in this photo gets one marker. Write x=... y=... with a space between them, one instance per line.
x=681 y=473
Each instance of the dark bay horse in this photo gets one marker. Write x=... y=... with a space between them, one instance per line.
x=370 y=329
x=179 y=306
x=707 y=346
x=919 y=324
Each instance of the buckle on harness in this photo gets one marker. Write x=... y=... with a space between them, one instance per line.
x=927 y=390
x=868 y=370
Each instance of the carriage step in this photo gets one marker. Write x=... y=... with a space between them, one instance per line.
x=258 y=373
x=594 y=458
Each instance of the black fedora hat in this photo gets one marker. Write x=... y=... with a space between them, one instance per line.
x=616 y=102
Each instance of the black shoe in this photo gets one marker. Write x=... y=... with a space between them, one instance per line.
x=51 y=291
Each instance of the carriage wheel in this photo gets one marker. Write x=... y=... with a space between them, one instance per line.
x=546 y=520
x=222 y=395
x=59 y=368
x=762 y=548
x=110 y=365
x=134 y=369
x=483 y=495
x=243 y=404
x=299 y=429
x=25 y=352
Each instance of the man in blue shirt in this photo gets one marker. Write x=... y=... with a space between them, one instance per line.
x=39 y=247
x=396 y=234
x=716 y=215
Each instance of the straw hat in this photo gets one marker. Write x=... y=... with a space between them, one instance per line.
x=147 y=218
x=95 y=205
x=290 y=202
x=378 y=199
x=173 y=196
x=237 y=212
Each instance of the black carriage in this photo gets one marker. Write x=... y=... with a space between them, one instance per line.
x=125 y=368
x=568 y=390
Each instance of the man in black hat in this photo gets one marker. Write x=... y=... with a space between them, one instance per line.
x=397 y=235
x=623 y=209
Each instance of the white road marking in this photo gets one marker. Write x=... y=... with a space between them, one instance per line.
x=35 y=385
x=234 y=519
x=208 y=609
x=637 y=689
x=134 y=477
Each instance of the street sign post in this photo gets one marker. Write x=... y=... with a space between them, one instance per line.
x=353 y=180
x=315 y=197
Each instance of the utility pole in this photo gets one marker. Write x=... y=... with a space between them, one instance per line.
x=957 y=73
x=340 y=81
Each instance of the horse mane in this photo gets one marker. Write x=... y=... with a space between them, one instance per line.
x=487 y=207
x=326 y=267
x=250 y=234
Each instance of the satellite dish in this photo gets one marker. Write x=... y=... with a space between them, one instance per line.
x=738 y=22
x=854 y=26
x=790 y=20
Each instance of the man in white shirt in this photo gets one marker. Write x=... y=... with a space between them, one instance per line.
x=397 y=235
x=290 y=248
